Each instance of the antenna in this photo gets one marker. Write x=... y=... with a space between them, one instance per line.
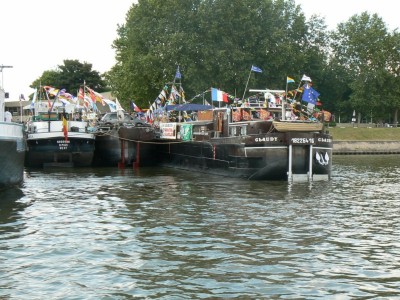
x=1 y=70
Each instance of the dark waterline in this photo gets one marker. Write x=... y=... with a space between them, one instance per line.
x=170 y=234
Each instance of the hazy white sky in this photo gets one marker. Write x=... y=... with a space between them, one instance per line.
x=338 y=11
x=37 y=35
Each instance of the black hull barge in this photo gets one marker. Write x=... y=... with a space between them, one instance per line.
x=12 y=148
x=124 y=145
x=222 y=143
x=12 y=154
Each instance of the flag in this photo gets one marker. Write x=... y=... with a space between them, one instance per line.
x=149 y=116
x=178 y=74
x=119 y=107
x=256 y=69
x=135 y=107
x=310 y=107
x=81 y=97
x=61 y=97
x=21 y=97
x=96 y=97
x=305 y=78
x=310 y=95
x=34 y=99
x=65 y=128
x=289 y=80
x=63 y=101
x=173 y=95
x=80 y=94
x=182 y=94
x=218 y=95
x=214 y=94
x=50 y=90
x=88 y=103
x=161 y=97
x=225 y=97
x=111 y=104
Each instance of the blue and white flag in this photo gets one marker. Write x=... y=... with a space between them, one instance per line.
x=178 y=74
x=34 y=99
x=111 y=104
x=256 y=69
x=217 y=95
x=310 y=95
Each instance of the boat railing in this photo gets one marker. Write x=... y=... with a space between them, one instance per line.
x=11 y=129
x=46 y=117
x=55 y=126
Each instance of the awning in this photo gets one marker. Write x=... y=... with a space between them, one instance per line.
x=188 y=107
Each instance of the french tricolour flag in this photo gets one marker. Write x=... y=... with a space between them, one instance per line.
x=218 y=95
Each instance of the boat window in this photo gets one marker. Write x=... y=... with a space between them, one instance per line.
x=233 y=131
x=244 y=130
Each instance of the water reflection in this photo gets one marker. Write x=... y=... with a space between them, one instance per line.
x=165 y=234
x=10 y=206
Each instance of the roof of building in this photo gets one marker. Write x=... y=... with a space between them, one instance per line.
x=16 y=103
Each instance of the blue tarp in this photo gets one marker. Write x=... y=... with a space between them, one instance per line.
x=188 y=107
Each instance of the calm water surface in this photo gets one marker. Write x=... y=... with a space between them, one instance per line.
x=168 y=234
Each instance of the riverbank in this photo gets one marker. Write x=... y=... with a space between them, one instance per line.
x=357 y=140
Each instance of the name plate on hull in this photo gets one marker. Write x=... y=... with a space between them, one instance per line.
x=63 y=144
x=301 y=141
x=168 y=130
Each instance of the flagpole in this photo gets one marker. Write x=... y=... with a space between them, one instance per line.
x=295 y=94
x=284 y=99
x=246 y=85
x=294 y=97
x=54 y=101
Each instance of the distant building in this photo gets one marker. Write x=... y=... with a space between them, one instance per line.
x=15 y=108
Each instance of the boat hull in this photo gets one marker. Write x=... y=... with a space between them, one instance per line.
x=273 y=156
x=52 y=150
x=49 y=146
x=107 y=151
x=12 y=154
x=301 y=126
x=124 y=146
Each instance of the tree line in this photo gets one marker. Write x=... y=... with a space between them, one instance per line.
x=215 y=42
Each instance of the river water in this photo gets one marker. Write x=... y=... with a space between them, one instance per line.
x=170 y=234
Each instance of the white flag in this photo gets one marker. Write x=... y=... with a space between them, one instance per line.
x=34 y=99
x=306 y=78
x=119 y=107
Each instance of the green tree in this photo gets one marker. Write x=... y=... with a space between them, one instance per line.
x=368 y=54
x=70 y=76
x=215 y=43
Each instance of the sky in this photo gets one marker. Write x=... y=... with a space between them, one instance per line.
x=39 y=35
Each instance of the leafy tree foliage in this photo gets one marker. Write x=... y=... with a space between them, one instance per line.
x=70 y=76
x=215 y=43
x=368 y=56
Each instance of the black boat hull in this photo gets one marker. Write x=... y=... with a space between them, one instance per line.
x=275 y=156
x=124 y=146
x=56 y=152
x=107 y=151
x=12 y=154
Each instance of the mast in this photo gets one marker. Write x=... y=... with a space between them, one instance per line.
x=178 y=75
x=2 y=93
x=2 y=78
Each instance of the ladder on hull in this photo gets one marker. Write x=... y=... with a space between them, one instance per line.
x=309 y=176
